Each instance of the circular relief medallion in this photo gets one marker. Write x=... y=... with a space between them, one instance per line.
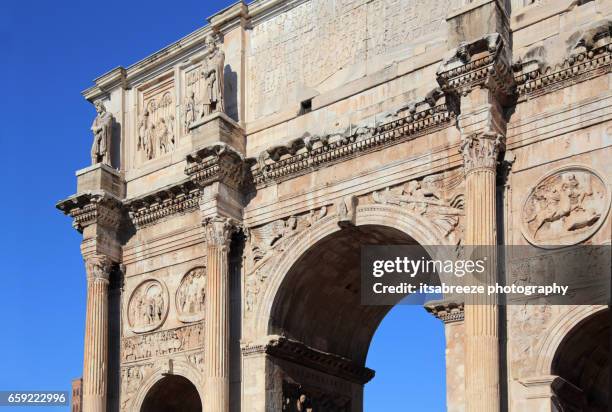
x=565 y=208
x=148 y=306
x=191 y=295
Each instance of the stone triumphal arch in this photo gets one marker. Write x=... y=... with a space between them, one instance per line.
x=236 y=173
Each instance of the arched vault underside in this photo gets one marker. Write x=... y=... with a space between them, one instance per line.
x=318 y=302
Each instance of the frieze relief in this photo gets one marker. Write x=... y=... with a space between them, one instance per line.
x=566 y=207
x=191 y=296
x=162 y=343
x=266 y=243
x=437 y=197
x=148 y=306
x=156 y=132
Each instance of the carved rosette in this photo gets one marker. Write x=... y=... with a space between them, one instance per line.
x=191 y=296
x=567 y=206
x=148 y=306
x=480 y=151
x=98 y=267
x=218 y=231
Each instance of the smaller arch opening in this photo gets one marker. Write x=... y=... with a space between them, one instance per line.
x=583 y=360
x=172 y=393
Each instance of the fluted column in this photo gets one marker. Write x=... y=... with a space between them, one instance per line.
x=217 y=330
x=480 y=153
x=95 y=364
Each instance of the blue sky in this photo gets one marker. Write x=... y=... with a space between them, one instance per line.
x=51 y=52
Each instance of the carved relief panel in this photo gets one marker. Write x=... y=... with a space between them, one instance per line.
x=565 y=207
x=191 y=295
x=148 y=306
x=156 y=131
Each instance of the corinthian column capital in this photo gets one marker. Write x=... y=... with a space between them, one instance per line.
x=98 y=267
x=480 y=151
x=218 y=230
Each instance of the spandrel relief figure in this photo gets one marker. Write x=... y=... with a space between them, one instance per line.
x=212 y=76
x=102 y=129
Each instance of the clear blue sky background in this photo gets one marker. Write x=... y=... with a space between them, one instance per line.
x=51 y=50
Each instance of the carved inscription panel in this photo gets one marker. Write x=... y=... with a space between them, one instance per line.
x=312 y=42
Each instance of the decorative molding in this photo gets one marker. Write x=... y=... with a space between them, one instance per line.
x=310 y=153
x=297 y=352
x=178 y=199
x=90 y=208
x=589 y=56
x=446 y=311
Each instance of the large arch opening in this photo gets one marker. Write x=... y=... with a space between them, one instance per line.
x=172 y=393
x=583 y=362
x=318 y=310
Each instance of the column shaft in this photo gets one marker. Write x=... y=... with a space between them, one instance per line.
x=95 y=363
x=216 y=339
x=481 y=314
x=217 y=329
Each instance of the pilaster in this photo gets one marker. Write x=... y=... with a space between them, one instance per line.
x=477 y=77
x=97 y=213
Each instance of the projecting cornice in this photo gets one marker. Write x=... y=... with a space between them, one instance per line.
x=589 y=56
x=309 y=153
x=172 y=200
x=94 y=207
x=485 y=62
x=218 y=163
x=299 y=353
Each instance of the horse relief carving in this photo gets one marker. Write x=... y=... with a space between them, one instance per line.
x=148 y=306
x=566 y=207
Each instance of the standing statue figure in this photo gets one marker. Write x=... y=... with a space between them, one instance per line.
x=102 y=129
x=212 y=76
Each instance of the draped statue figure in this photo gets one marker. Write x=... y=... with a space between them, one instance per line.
x=212 y=76
x=102 y=129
